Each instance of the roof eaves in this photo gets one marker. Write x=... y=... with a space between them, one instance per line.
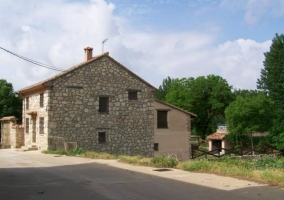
x=141 y=79
x=47 y=82
x=189 y=113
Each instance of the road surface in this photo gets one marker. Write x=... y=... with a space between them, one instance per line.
x=33 y=175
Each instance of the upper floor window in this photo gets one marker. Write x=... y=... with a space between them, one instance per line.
x=27 y=125
x=41 y=98
x=132 y=95
x=41 y=125
x=103 y=104
x=27 y=103
x=162 y=119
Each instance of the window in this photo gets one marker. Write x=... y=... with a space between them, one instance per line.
x=156 y=146
x=162 y=119
x=102 y=137
x=132 y=95
x=41 y=125
x=27 y=103
x=27 y=125
x=103 y=104
x=41 y=100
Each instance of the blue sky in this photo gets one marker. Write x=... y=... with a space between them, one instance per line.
x=153 y=38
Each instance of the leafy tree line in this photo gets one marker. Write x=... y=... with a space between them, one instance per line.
x=10 y=104
x=243 y=111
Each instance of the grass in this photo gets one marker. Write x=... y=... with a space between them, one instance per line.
x=266 y=170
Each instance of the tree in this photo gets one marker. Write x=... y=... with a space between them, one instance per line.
x=245 y=93
x=10 y=105
x=272 y=81
x=205 y=96
x=247 y=115
x=164 y=88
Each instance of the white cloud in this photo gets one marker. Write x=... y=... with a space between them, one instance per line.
x=55 y=33
x=255 y=10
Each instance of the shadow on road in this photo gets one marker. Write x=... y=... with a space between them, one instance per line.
x=100 y=181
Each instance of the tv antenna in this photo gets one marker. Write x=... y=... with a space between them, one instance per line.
x=103 y=45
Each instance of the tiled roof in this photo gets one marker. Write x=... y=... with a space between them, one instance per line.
x=217 y=136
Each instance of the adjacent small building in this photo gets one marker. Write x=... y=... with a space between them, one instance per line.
x=218 y=141
x=172 y=130
x=105 y=107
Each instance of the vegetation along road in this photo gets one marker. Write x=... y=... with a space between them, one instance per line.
x=33 y=175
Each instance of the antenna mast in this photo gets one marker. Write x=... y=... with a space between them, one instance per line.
x=103 y=45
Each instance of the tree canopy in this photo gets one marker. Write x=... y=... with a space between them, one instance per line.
x=247 y=115
x=10 y=105
x=205 y=96
x=164 y=88
x=272 y=81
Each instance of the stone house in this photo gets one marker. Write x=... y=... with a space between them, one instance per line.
x=102 y=106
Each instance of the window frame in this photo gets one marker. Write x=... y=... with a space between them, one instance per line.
x=133 y=95
x=162 y=119
x=103 y=106
x=156 y=146
x=41 y=125
x=41 y=100
x=27 y=103
x=101 y=137
x=27 y=128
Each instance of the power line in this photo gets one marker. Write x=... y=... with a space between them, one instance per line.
x=33 y=62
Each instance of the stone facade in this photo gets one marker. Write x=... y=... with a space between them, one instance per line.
x=12 y=133
x=99 y=104
x=32 y=114
x=74 y=106
x=71 y=109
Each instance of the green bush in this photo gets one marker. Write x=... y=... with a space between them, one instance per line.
x=269 y=163
x=60 y=152
x=99 y=155
x=75 y=152
x=197 y=165
x=164 y=161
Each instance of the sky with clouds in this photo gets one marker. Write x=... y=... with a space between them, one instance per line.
x=153 y=38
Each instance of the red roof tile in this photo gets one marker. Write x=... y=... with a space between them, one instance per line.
x=216 y=136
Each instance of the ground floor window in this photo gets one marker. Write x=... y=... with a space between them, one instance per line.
x=102 y=137
x=156 y=146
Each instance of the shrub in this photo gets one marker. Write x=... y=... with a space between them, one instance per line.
x=269 y=163
x=164 y=161
x=60 y=152
x=96 y=155
x=75 y=152
x=197 y=165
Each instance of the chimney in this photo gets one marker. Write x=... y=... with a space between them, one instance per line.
x=88 y=53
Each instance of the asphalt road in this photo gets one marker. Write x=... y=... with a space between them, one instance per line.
x=33 y=175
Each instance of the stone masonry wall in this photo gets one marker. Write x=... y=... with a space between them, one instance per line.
x=17 y=136
x=74 y=104
x=34 y=119
x=6 y=134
